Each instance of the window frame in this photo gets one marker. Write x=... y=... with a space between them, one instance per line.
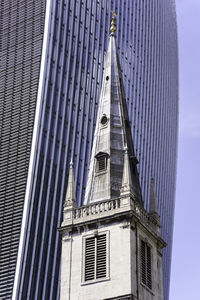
x=107 y=277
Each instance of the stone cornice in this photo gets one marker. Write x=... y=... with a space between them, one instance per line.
x=109 y=211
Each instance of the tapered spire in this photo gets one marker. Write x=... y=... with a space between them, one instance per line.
x=153 y=207
x=127 y=185
x=112 y=135
x=70 y=199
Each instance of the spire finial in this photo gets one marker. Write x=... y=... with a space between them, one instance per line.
x=113 y=28
x=71 y=163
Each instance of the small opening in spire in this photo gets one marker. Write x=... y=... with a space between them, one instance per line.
x=104 y=120
x=107 y=78
x=101 y=164
x=101 y=161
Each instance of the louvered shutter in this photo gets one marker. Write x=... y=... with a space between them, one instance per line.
x=101 y=257
x=143 y=262
x=95 y=257
x=101 y=158
x=148 y=252
x=146 y=273
x=101 y=163
x=90 y=259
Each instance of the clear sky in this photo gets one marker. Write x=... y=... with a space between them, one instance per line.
x=185 y=273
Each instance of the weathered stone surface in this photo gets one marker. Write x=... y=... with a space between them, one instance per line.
x=126 y=223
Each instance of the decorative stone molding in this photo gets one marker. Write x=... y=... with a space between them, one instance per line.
x=114 y=208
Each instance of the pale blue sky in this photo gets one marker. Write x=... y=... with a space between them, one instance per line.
x=185 y=274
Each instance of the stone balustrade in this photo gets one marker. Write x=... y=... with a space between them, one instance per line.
x=96 y=208
x=144 y=216
x=115 y=205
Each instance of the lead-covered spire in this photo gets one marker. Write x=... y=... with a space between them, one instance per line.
x=112 y=135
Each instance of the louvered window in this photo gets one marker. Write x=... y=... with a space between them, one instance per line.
x=90 y=259
x=95 y=257
x=101 y=161
x=146 y=274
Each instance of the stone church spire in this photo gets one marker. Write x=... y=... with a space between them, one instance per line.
x=111 y=246
x=112 y=135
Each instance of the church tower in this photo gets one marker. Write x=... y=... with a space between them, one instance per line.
x=111 y=246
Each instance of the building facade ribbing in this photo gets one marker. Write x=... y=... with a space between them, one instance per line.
x=74 y=46
x=21 y=36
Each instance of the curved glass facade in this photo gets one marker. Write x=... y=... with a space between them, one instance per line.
x=76 y=45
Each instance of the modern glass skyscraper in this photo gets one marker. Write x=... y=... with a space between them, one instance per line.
x=59 y=84
x=21 y=36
